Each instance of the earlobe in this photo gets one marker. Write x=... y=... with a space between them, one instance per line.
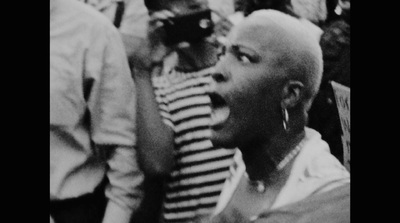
x=291 y=94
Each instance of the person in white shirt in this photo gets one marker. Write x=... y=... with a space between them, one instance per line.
x=94 y=174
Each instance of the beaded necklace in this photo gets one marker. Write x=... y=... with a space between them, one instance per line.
x=259 y=184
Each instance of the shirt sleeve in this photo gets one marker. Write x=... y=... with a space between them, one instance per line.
x=111 y=98
x=125 y=179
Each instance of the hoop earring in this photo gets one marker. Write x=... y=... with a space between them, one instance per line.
x=285 y=120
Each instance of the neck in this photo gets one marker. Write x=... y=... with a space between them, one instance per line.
x=197 y=56
x=262 y=159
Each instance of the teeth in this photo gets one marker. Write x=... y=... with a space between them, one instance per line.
x=219 y=116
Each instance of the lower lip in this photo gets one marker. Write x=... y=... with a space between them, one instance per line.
x=219 y=118
x=216 y=126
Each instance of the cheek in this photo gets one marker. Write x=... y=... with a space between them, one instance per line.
x=249 y=84
x=252 y=101
x=248 y=101
x=246 y=84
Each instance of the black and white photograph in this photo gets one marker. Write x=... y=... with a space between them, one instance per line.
x=200 y=111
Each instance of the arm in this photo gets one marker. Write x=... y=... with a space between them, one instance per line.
x=156 y=153
x=131 y=44
x=125 y=177
x=156 y=139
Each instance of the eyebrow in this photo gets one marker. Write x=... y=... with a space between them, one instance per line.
x=237 y=47
x=242 y=49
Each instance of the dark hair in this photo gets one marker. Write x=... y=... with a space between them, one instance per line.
x=156 y=5
x=153 y=5
x=284 y=6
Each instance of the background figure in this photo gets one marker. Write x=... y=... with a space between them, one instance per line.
x=263 y=86
x=94 y=175
x=112 y=9
x=247 y=7
x=312 y=10
x=174 y=116
x=129 y=16
x=331 y=15
x=324 y=116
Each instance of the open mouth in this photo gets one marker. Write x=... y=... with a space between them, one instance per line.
x=219 y=110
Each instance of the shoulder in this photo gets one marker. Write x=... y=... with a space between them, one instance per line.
x=316 y=156
x=84 y=17
x=329 y=207
x=315 y=169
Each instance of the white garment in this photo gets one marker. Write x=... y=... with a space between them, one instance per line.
x=89 y=74
x=314 y=170
x=134 y=19
x=106 y=7
x=237 y=17
x=313 y=10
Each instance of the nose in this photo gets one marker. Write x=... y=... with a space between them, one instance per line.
x=218 y=77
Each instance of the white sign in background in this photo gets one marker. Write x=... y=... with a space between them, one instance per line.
x=342 y=97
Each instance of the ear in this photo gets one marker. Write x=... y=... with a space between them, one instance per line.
x=291 y=93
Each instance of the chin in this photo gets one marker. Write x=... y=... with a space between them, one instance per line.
x=222 y=140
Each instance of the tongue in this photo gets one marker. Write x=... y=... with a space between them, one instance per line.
x=219 y=116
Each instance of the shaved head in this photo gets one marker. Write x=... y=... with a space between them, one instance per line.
x=271 y=62
x=296 y=50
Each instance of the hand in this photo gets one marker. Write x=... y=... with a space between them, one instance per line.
x=221 y=30
x=222 y=27
x=152 y=50
x=51 y=220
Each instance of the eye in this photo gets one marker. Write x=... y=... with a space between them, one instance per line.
x=243 y=58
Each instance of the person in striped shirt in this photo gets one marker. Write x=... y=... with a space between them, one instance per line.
x=174 y=116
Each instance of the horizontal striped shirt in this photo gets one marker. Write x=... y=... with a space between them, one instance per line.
x=196 y=181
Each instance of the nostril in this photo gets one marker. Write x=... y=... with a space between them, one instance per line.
x=218 y=77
